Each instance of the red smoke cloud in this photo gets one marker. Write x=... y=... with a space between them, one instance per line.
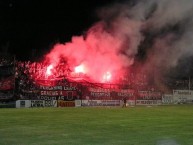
x=157 y=33
x=99 y=55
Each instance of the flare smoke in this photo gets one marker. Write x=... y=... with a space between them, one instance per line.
x=154 y=34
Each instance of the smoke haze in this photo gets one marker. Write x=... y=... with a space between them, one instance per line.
x=155 y=35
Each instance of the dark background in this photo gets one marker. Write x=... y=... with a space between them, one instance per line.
x=29 y=28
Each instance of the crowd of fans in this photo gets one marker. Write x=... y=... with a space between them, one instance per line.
x=27 y=73
x=38 y=71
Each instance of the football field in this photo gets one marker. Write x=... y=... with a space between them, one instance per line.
x=156 y=125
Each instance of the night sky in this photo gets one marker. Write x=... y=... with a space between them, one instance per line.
x=27 y=25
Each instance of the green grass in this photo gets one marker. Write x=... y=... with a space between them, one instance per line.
x=97 y=126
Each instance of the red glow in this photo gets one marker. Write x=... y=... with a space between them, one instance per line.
x=98 y=55
x=48 y=70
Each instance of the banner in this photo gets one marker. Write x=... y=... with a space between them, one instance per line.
x=37 y=103
x=47 y=98
x=78 y=103
x=148 y=102
x=57 y=93
x=183 y=96
x=95 y=93
x=167 y=99
x=183 y=92
x=50 y=103
x=62 y=103
x=23 y=103
x=58 y=87
x=100 y=102
x=48 y=93
x=149 y=95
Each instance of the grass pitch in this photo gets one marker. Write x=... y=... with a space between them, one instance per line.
x=157 y=125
